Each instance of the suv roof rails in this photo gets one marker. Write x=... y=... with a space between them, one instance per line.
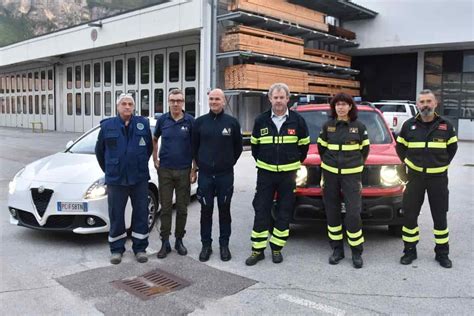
x=399 y=101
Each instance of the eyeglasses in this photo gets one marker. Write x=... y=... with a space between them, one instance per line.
x=176 y=101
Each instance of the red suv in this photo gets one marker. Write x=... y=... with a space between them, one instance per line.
x=382 y=188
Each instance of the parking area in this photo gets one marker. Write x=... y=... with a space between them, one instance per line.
x=43 y=272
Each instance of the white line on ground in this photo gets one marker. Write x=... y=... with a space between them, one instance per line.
x=310 y=304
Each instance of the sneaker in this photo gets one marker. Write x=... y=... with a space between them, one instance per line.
x=408 y=256
x=115 y=258
x=277 y=257
x=165 y=249
x=255 y=257
x=444 y=261
x=141 y=257
x=205 y=253
x=337 y=255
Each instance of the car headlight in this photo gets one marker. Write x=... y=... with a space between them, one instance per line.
x=12 y=184
x=97 y=190
x=301 y=176
x=389 y=176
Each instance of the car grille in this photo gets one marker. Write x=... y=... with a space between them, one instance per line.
x=67 y=222
x=41 y=200
x=370 y=176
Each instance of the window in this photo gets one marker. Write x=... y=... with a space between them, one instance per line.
x=467 y=96
x=87 y=103
x=145 y=102
x=25 y=108
x=158 y=101
x=119 y=72
x=190 y=66
x=69 y=103
x=97 y=75
x=43 y=104
x=78 y=77
x=69 y=77
x=25 y=82
x=190 y=101
x=159 y=68
x=13 y=84
x=107 y=74
x=78 y=104
x=30 y=81
x=43 y=80
x=8 y=104
x=18 y=105
x=131 y=71
x=2 y=105
x=97 y=103
x=174 y=67
x=50 y=104
x=107 y=103
x=8 y=84
x=13 y=105
x=50 y=79
x=37 y=81
x=87 y=76
x=18 y=83
x=37 y=104
x=117 y=94
x=30 y=104
x=2 y=86
x=144 y=69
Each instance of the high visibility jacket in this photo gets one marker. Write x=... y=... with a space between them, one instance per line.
x=343 y=146
x=280 y=151
x=427 y=147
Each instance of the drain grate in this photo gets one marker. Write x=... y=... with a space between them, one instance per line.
x=151 y=284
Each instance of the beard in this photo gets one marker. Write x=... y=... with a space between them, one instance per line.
x=426 y=111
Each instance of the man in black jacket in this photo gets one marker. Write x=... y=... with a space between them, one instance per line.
x=217 y=145
x=280 y=143
x=427 y=143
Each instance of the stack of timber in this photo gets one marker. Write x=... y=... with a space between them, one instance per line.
x=265 y=42
x=341 y=32
x=282 y=10
x=261 y=77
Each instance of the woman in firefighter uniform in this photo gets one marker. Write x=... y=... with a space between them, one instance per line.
x=343 y=146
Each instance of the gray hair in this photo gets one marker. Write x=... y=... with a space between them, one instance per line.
x=174 y=92
x=425 y=92
x=125 y=96
x=279 y=86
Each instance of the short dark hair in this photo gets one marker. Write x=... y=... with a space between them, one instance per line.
x=344 y=97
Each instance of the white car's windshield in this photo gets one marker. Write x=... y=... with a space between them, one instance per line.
x=376 y=128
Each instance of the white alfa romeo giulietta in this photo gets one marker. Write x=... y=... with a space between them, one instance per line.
x=66 y=191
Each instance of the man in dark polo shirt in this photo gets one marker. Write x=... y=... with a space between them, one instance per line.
x=175 y=169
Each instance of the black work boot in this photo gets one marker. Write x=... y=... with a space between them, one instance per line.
x=337 y=255
x=178 y=245
x=444 y=261
x=205 y=254
x=409 y=256
x=357 y=261
x=255 y=257
x=277 y=257
x=165 y=249
x=225 y=253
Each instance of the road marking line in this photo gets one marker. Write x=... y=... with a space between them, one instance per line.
x=307 y=303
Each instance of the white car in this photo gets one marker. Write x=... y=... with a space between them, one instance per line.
x=66 y=191
x=396 y=112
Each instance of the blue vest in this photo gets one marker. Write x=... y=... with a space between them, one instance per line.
x=126 y=151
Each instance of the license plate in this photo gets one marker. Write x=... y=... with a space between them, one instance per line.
x=72 y=206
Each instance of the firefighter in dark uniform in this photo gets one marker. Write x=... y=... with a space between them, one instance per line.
x=123 y=148
x=427 y=143
x=343 y=146
x=217 y=145
x=280 y=143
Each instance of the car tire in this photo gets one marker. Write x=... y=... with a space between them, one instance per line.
x=395 y=230
x=153 y=209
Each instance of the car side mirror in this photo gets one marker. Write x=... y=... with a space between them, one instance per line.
x=69 y=144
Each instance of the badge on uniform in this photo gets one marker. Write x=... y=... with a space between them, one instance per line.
x=264 y=131
x=413 y=127
x=142 y=141
x=353 y=130
x=140 y=126
x=443 y=127
x=291 y=131
x=439 y=140
x=184 y=128
x=226 y=131
x=331 y=128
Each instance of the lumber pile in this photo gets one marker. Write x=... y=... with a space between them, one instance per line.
x=341 y=32
x=265 y=42
x=261 y=77
x=282 y=10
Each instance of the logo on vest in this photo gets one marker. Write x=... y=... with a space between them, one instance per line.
x=291 y=131
x=142 y=142
x=184 y=128
x=140 y=126
x=331 y=128
x=353 y=130
x=443 y=127
x=413 y=127
x=226 y=131
x=263 y=131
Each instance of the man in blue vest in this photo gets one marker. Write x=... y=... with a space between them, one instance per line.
x=123 y=148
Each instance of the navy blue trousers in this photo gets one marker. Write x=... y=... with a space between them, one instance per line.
x=117 y=196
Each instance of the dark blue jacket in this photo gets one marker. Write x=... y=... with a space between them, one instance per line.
x=123 y=153
x=217 y=143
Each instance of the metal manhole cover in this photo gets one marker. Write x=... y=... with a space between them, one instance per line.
x=151 y=284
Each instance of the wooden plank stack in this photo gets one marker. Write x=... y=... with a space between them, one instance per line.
x=325 y=57
x=283 y=10
x=341 y=32
x=261 y=77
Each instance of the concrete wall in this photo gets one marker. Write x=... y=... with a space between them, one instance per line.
x=404 y=24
